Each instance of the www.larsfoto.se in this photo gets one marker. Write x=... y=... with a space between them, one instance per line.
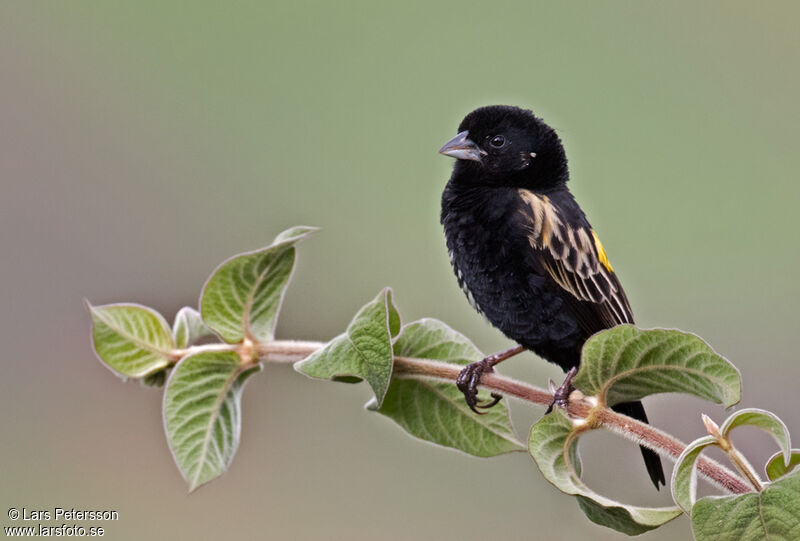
x=63 y=530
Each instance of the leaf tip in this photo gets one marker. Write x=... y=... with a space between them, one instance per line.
x=295 y=234
x=194 y=485
x=387 y=294
x=297 y=367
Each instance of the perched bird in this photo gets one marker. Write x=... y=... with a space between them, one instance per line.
x=523 y=251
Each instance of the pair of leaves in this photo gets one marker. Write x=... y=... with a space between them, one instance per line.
x=684 y=476
x=620 y=365
x=240 y=299
x=430 y=410
x=363 y=351
x=772 y=513
x=202 y=399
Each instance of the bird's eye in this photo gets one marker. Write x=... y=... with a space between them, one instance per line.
x=497 y=141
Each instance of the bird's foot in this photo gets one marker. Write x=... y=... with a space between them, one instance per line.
x=561 y=394
x=469 y=379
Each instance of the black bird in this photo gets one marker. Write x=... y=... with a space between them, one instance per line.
x=523 y=251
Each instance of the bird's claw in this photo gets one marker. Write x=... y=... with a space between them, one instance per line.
x=469 y=379
x=561 y=394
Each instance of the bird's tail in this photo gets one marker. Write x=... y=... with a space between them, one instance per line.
x=651 y=460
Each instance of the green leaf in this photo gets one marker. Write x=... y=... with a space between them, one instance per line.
x=553 y=445
x=435 y=411
x=202 y=413
x=776 y=467
x=773 y=513
x=684 y=477
x=131 y=339
x=189 y=327
x=626 y=363
x=242 y=296
x=765 y=420
x=363 y=351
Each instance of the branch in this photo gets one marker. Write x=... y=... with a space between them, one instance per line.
x=580 y=407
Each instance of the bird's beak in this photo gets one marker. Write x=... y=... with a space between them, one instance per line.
x=462 y=148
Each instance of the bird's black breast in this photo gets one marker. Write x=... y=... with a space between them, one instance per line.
x=489 y=249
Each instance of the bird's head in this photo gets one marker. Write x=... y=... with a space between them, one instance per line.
x=507 y=146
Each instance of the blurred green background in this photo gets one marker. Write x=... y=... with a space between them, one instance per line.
x=143 y=143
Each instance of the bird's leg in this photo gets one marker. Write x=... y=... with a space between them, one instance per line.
x=561 y=395
x=470 y=377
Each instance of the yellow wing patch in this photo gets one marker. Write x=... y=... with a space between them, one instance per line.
x=601 y=252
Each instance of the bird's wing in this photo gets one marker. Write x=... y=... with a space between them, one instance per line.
x=570 y=252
